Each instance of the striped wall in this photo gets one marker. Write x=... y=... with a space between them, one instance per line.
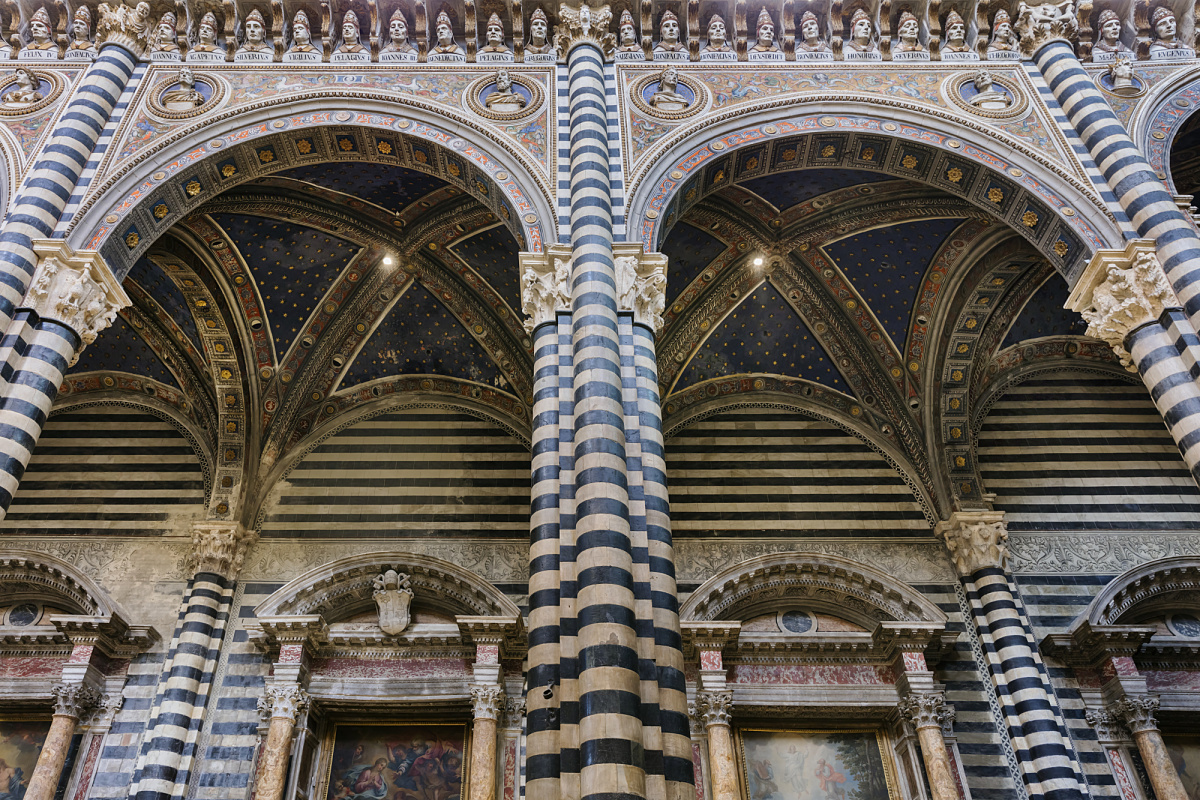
x=111 y=470
x=778 y=473
x=1076 y=451
x=424 y=472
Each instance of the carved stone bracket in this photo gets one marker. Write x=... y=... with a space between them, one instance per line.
x=393 y=596
x=487 y=701
x=71 y=699
x=1046 y=22
x=1121 y=290
x=927 y=710
x=128 y=27
x=284 y=701
x=1138 y=713
x=641 y=284
x=715 y=708
x=584 y=25
x=976 y=540
x=545 y=285
x=219 y=547
x=76 y=288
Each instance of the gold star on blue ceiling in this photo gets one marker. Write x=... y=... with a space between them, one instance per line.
x=493 y=254
x=151 y=278
x=763 y=334
x=389 y=187
x=120 y=349
x=785 y=189
x=1044 y=315
x=689 y=250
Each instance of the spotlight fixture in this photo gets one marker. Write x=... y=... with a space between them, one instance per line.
x=387 y=261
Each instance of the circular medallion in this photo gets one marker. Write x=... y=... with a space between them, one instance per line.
x=955 y=143
x=1186 y=625
x=184 y=95
x=278 y=124
x=158 y=176
x=112 y=219
x=770 y=130
x=403 y=123
x=793 y=621
x=530 y=219
x=828 y=122
x=676 y=174
x=1016 y=173
x=344 y=116
x=984 y=94
x=684 y=98
x=504 y=96
x=24 y=614
x=501 y=176
x=652 y=214
x=717 y=146
x=27 y=91
x=890 y=126
x=1119 y=80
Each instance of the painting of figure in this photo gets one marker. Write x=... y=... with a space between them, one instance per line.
x=396 y=762
x=20 y=745
x=815 y=765
x=1185 y=755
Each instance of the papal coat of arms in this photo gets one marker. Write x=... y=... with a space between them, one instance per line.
x=393 y=597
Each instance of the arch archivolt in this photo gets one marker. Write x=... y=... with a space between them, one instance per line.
x=147 y=195
x=1161 y=115
x=1071 y=220
x=1150 y=584
x=31 y=574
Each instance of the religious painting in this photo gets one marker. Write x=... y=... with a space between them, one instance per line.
x=20 y=743
x=816 y=765
x=395 y=762
x=1185 y=755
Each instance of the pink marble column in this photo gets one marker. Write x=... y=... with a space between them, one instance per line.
x=1138 y=714
x=283 y=703
x=70 y=699
x=928 y=712
x=716 y=709
x=487 y=701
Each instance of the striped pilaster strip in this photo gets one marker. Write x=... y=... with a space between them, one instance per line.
x=611 y=762
x=542 y=745
x=39 y=202
x=168 y=748
x=1173 y=388
x=1138 y=190
x=1049 y=766
x=562 y=110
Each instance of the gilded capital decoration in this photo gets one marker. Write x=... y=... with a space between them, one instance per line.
x=219 y=547
x=715 y=708
x=1041 y=24
x=393 y=597
x=642 y=288
x=1121 y=290
x=487 y=701
x=125 y=26
x=1137 y=712
x=76 y=290
x=71 y=699
x=927 y=710
x=584 y=25
x=976 y=539
x=545 y=287
x=1108 y=726
x=283 y=701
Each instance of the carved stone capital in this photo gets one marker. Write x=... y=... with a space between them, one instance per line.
x=1046 y=22
x=101 y=715
x=219 y=547
x=641 y=285
x=584 y=25
x=545 y=285
x=283 y=701
x=715 y=708
x=1109 y=727
x=76 y=289
x=1121 y=290
x=487 y=701
x=514 y=712
x=121 y=25
x=976 y=539
x=927 y=710
x=1138 y=713
x=72 y=699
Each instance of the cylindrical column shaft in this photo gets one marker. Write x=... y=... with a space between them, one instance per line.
x=721 y=764
x=1163 y=775
x=276 y=752
x=46 y=774
x=1174 y=392
x=483 y=760
x=937 y=763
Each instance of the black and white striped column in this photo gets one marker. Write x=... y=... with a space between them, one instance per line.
x=35 y=351
x=1047 y=760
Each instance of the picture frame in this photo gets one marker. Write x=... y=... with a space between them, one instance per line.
x=21 y=739
x=816 y=764
x=409 y=772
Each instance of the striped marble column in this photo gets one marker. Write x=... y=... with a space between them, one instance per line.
x=168 y=747
x=1046 y=757
x=36 y=350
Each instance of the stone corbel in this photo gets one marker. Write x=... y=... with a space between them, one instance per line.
x=1087 y=645
x=545 y=284
x=220 y=547
x=641 y=283
x=121 y=25
x=1046 y=22
x=976 y=540
x=76 y=288
x=1121 y=290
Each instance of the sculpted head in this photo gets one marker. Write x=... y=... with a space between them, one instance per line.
x=628 y=35
x=765 y=30
x=1164 y=24
x=81 y=25
x=539 y=27
x=494 y=33
x=443 y=30
x=1109 y=24
x=25 y=78
x=861 y=29
x=908 y=27
x=207 y=29
x=166 y=28
x=350 y=28
x=39 y=26
x=956 y=29
x=186 y=79
x=983 y=81
x=810 y=27
x=255 y=27
x=716 y=31
x=1002 y=25
x=669 y=28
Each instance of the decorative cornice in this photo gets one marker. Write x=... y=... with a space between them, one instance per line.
x=1138 y=713
x=1121 y=290
x=715 y=708
x=71 y=699
x=124 y=26
x=487 y=701
x=976 y=539
x=220 y=547
x=927 y=710
x=76 y=288
x=1046 y=22
x=283 y=701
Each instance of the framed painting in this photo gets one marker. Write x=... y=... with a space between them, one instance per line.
x=400 y=761
x=816 y=765
x=1185 y=755
x=20 y=744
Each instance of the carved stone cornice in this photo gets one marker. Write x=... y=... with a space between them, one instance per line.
x=545 y=285
x=1121 y=290
x=927 y=710
x=1046 y=22
x=1138 y=712
x=1087 y=645
x=283 y=701
x=76 y=288
x=220 y=547
x=487 y=702
x=71 y=699
x=976 y=540
x=584 y=25
x=715 y=708
x=121 y=25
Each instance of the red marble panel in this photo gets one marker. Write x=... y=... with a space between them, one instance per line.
x=1160 y=680
x=31 y=666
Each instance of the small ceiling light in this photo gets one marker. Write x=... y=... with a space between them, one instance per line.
x=758 y=261
x=387 y=261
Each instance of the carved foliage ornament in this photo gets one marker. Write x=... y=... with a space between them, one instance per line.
x=544 y=290
x=128 y=27
x=219 y=547
x=285 y=701
x=1108 y=727
x=584 y=25
x=74 y=297
x=70 y=699
x=642 y=289
x=393 y=596
x=1125 y=299
x=715 y=708
x=488 y=701
x=1137 y=712
x=977 y=540
x=1041 y=24
x=927 y=710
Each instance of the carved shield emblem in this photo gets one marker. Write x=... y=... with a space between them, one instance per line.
x=393 y=597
